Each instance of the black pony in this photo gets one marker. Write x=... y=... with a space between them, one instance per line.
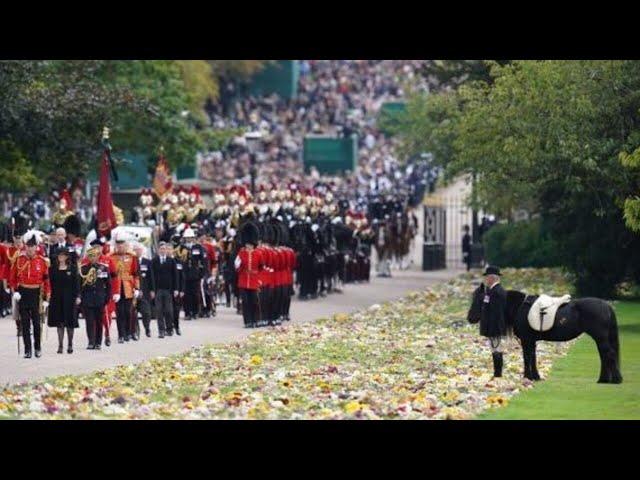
x=592 y=316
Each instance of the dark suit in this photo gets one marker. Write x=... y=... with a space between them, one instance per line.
x=165 y=278
x=147 y=285
x=492 y=318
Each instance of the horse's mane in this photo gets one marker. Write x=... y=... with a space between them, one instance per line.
x=514 y=302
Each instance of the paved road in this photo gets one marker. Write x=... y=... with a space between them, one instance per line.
x=225 y=327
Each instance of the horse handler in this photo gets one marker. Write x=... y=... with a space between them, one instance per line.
x=492 y=318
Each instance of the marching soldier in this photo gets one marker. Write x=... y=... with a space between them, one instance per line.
x=196 y=268
x=209 y=309
x=147 y=290
x=126 y=288
x=95 y=293
x=248 y=264
x=29 y=280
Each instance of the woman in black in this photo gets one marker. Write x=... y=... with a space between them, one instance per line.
x=65 y=292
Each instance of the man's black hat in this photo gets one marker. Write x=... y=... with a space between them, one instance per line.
x=72 y=225
x=492 y=270
x=250 y=233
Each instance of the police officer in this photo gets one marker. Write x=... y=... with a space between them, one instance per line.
x=95 y=294
x=147 y=290
x=492 y=317
x=196 y=268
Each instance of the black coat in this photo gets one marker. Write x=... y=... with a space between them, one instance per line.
x=65 y=289
x=147 y=280
x=165 y=276
x=95 y=292
x=492 y=318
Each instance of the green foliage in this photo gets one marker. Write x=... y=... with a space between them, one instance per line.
x=449 y=74
x=53 y=112
x=520 y=244
x=546 y=136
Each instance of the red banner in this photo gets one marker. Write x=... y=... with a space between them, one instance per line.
x=106 y=218
x=162 y=182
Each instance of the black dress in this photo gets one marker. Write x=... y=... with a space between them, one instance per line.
x=65 y=288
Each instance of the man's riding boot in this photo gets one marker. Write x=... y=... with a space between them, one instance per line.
x=497 y=364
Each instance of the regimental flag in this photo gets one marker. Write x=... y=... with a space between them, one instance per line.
x=162 y=181
x=105 y=218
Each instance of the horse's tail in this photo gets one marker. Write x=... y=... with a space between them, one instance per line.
x=614 y=337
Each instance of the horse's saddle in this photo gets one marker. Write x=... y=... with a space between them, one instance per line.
x=543 y=311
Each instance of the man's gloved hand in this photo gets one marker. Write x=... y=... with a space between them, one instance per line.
x=7 y=291
x=175 y=293
x=45 y=305
x=17 y=296
x=116 y=297
x=152 y=294
x=78 y=301
x=136 y=293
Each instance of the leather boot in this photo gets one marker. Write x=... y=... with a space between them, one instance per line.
x=497 y=364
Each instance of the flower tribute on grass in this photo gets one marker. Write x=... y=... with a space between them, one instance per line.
x=415 y=358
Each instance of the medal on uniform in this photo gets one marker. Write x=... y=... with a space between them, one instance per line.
x=486 y=299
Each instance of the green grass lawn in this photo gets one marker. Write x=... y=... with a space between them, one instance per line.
x=571 y=391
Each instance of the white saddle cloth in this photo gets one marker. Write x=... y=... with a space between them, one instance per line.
x=548 y=306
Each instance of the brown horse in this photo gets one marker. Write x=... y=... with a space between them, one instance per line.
x=383 y=243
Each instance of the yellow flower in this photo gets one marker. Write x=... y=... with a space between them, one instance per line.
x=497 y=401
x=451 y=396
x=352 y=407
x=341 y=317
x=256 y=360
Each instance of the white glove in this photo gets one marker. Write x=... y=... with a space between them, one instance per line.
x=116 y=297
x=175 y=293
x=7 y=291
x=210 y=280
x=136 y=293
x=45 y=305
x=17 y=296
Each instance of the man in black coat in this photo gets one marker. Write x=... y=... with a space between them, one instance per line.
x=492 y=318
x=166 y=283
x=95 y=293
x=466 y=247
x=147 y=289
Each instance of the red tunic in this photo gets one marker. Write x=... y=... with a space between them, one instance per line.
x=280 y=267
x=212 y=255
x=248 y=265
x=126 y=274
x=4 y=262
x=30 y=272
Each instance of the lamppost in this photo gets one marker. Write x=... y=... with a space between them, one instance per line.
x=253 y=140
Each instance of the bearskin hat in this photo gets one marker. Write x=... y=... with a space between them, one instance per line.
x=72 y=225
x=250 y=233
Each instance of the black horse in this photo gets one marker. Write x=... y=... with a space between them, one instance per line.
x=592 y=316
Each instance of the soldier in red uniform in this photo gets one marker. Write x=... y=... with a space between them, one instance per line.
x=212 y=254
x=265 y=275
x=125 y=287
x=291 y=265
x=248 y=264
x=29 y=280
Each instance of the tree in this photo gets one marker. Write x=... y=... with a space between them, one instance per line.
x=546 y=135
x=53 y=112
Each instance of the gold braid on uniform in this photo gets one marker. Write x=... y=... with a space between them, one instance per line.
x=90 y=277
